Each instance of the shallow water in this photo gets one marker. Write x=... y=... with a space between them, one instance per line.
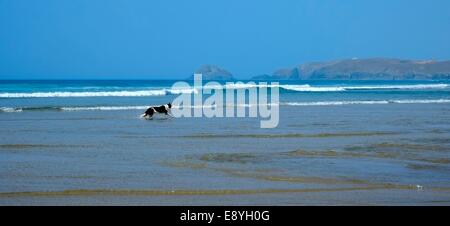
x=396 y=153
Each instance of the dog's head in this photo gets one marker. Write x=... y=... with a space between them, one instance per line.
x=169 y=105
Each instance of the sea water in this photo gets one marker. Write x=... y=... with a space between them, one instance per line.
x=337 y=142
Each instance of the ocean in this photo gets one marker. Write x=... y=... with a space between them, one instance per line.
x=83 y=142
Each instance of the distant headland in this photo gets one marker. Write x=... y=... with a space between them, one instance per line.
x=348 y=69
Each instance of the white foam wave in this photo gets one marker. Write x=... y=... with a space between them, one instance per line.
x=440 y=101
x=316 y=103
x=330 y=103
x=168 y=91
x=104 y=108
x=309 y=88
x=417 y=86
x=140 y=93
x=8 y=109
x=299 y=88
x=181 y=91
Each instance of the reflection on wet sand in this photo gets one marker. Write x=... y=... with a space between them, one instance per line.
x=404 y=151
x=260 y=166
x=289 y=135
x=112 y=192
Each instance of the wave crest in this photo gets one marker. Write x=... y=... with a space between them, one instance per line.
x=139 y=93
x=169 y=91
x=141 y=107
x=309 y=88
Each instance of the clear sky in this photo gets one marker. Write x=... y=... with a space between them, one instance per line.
x=149 y=39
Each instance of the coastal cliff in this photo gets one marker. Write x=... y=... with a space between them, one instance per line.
x=365 y=69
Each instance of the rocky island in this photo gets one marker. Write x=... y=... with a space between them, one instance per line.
x=213 y=72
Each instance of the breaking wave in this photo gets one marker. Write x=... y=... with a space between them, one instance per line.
x=139 y=93
x=309 y=88
x=169 y=91
x=366 y=102
x=141 y=107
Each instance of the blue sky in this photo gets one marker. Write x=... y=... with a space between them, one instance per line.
x=143 y=39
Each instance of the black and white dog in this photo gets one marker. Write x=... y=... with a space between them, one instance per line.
x=163 y=109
